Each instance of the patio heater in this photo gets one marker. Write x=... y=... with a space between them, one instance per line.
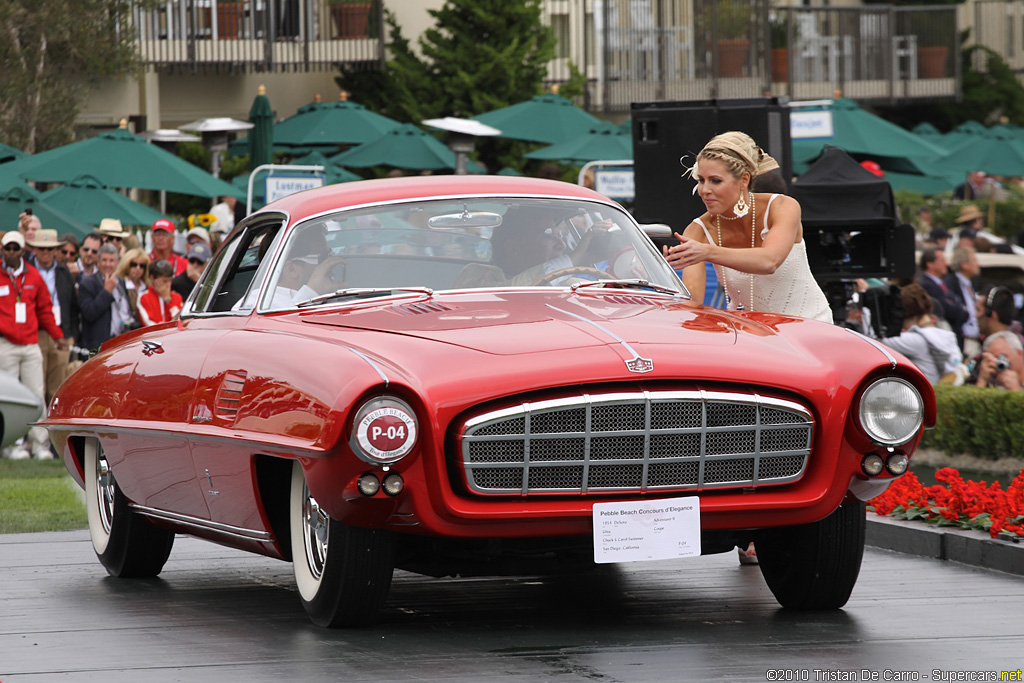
x=168 y=139
x=216 y=134
x=462 y=134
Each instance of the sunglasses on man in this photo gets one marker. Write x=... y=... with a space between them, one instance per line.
x=13 y=246
x=69 y=252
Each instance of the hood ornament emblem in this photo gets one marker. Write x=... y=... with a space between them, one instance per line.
x=634 y=364
x=639 y=364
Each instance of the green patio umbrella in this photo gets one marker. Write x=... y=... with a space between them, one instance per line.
x=508 y=170
x=406 y=147
x=547 y=118
x=14 y=201
x=922 y=184
x=965 y=131
x=261 y=136
x=8 y=153
x=603 y=141
x=332 y=123
x=332 y=173
x=120 y=159
x=9 y=177
x=863 y=135
x=997 y=151
x=91 y=201
x=927 y=130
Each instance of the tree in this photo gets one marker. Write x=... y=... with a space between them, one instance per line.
x=479 y=56
x=50 y=52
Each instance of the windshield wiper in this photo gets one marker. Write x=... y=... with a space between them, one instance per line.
x=625 y=284
x=362 y=292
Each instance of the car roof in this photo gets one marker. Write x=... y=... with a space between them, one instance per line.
x=1000 y=260
x=341 y=195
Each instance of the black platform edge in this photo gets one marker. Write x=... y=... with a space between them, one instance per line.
x=975 y=548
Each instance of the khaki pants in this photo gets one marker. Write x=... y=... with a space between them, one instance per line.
x=55 y=363
x=25 y=362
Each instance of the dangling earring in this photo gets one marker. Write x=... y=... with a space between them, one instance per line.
x=742 y=208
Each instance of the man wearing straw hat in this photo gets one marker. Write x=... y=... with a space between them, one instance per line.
x=61 y=284
x=970 y=221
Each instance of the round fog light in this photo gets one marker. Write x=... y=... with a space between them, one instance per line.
x=393 y=484
x=368 y=484
x=872 y=465
x=897 y=463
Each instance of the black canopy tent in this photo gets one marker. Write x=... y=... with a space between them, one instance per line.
x=850 y=224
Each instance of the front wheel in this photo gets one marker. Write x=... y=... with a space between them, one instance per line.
x=127 y=545
x=814 y=566
x=343 y=573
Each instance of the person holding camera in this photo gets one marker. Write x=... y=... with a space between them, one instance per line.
x=1001 y=361
x=755 y=240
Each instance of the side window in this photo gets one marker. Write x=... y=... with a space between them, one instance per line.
x=239 y=267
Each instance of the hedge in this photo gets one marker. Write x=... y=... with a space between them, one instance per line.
x=985 y=423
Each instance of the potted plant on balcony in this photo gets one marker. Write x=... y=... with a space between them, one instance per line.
x=352 y=17
x=229 y=18
x=779 y=29
x=935 y=33
x=729 y=21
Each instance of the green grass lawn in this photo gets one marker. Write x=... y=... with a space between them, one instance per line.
x=38 y=495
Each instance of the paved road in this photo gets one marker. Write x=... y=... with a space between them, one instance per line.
x=225 y=616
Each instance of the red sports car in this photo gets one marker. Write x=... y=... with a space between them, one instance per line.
x=479 y=375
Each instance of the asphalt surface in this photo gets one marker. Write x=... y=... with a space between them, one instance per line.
x=221 y=615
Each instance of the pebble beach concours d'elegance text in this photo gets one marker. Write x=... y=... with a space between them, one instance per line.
x=890 y=675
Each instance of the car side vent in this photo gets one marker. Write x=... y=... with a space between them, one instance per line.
x=422 y=307
x=230 y=394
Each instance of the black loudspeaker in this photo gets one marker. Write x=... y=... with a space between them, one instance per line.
x=667 y=136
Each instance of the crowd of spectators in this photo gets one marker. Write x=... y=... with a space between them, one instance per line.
x=60 y=299
x=958 y=326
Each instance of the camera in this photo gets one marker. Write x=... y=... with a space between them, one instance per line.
x=1002 y=363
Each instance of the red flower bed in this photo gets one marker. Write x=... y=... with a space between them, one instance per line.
x=955 y=502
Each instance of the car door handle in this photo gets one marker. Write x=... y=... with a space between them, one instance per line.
x=151 y=347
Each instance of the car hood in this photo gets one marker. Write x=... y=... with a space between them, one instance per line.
x=527 y=322
x=506 y=324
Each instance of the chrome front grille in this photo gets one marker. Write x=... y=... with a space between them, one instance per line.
x=637 y=441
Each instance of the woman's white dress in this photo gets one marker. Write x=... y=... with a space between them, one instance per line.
x=791 y=289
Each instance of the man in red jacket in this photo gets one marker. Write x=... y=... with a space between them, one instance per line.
x=25 y=307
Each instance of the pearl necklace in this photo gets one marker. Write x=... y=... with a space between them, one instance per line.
x=753 y=233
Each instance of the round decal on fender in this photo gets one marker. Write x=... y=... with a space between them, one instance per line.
x=386 y=433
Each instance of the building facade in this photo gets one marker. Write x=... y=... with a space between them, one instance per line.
x=207 y=58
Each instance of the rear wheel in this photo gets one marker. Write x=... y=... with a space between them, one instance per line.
x=127 y=545
x=814 y=566
x=343 y=573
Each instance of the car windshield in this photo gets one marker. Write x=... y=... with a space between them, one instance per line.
x=430 y=246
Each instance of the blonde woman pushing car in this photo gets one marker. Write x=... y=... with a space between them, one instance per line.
x=755 y=240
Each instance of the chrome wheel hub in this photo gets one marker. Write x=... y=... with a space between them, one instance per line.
x=104 y=491
x=315 y=531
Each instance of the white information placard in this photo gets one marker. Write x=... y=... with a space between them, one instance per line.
x=278 y=186
x=811 y=124
x=615 y=183
x=646 y=530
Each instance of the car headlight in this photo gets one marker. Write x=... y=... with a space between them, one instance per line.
x=891 y=411
x=383 y=430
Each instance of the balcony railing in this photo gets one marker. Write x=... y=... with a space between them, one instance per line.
x=259 y=35
x=648 y=50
